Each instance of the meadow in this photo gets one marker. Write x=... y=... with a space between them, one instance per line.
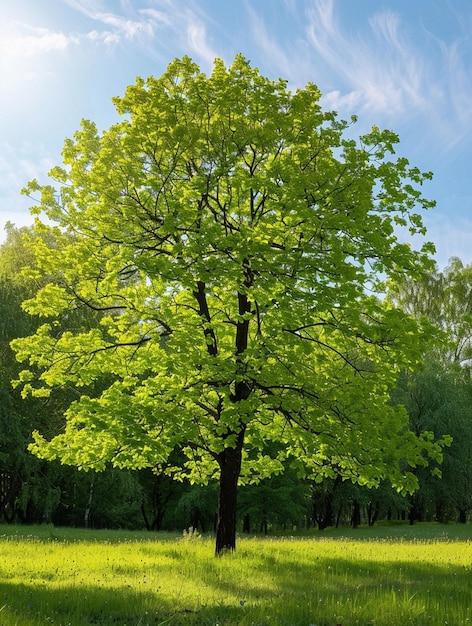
x=384 y=576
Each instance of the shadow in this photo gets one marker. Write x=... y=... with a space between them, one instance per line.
x=257 y=586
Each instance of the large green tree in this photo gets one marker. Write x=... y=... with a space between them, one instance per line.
x=233 y=239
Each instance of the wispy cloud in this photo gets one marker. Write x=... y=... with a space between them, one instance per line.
x=26 y=52
x=29 y=41
x=198 y=40
x=384 y=72
x=190 y=26
x=164 y=24
x=25 y=40
x=115 y=26
x=377 y=67
x=159 y=30
x=271 y=45
x=451 y=237
x=457 y=91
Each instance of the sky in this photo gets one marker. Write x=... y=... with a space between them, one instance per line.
x=405 y=65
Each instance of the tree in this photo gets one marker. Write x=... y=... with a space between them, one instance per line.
x=15 y=429
x=280 y=501
x=437 y=396
x=445 y=300
x=32 y=490
x=232 y=240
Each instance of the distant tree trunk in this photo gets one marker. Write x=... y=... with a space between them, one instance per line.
x=198 y=520
x=440 y=517
x=462 y=516
x=338 y=516
x=325 y=519
x=356 y=514
x=9 y=490
x=323 y=506
x=89 y=506
x=373 y=513
x=247 y=524
x=144 y=514
x=157 y=501
x=229 y=461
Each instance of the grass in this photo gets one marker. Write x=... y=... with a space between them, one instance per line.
x=385 y=576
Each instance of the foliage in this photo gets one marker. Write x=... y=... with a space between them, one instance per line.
x=227 y=236
x=438 y=398
x=38 y=491
x=340 y=503
x=196 y=508
x=16 y=464
x=445 y=300
x=438 y=395
x=277 y=503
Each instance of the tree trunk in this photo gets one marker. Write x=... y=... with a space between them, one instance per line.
x=230 y=467
x=247 y=524
x=356 y=514
x=89 y=505
x=230 y=459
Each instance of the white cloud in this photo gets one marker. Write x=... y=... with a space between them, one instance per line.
x=19 y=165
x=130 y=26
x=105 y=37
x=188 y=25
x=151 y=27
x=29 y=41
x=457 y=94
x=87 y=7
x=335 y=100
x=197 y=39
x=381 y=66
x=384 y=72
x=28 y=54
x=272 y=47
x=451 y=237
x=157 y=16
x=129 y=29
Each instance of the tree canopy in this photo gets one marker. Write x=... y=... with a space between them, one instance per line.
x=234 y=244
x=445 y=300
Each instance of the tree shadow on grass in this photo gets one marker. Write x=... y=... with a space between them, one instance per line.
x=343 y=591
x=31 y=604
x=327 y=592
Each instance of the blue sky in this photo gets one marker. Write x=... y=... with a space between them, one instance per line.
x=397 y=64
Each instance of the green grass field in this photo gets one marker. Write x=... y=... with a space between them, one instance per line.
x=385 y=576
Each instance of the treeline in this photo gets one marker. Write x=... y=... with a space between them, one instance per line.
x=437 y=397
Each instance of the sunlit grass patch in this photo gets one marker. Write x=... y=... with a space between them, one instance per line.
x=382 y=577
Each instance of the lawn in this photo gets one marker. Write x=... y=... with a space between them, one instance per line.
x=385 y=576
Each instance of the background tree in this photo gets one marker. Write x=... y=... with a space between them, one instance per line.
x=438 y=399
x=16 y=464
x=228 y=235
x=445 y=300
x=281 y=501
x=437 y=396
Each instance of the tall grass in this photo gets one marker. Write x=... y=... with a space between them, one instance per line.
x=390 y=576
